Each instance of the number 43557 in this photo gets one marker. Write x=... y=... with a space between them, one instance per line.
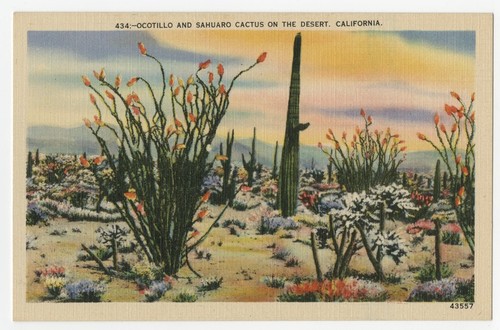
x=462 y=305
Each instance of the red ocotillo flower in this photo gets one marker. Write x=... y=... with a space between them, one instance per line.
x=206 y=197
x=171 y=80
x=189 y=97
x=222 y=89
x=443 y=128
x=101 y=75
x=92 y=99
x=210 y=77
x=86 y=81
x=192 y=118
x=465 y=170
x=220 y=69
x=142 y=49
x=110 y=95
x=85 y=163
x=118 y=81
x=262 y=57
x=458 y=160
x=436 y=118
x=204 y=65
x=362 y=112
x=421 y=136
x=455 y=95
x=132 y=81
x=87 y=122
x=454 y=127
x=177 y=90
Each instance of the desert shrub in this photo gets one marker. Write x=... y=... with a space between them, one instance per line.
x=85 y=291
x=31 y=242
x=234 y=222
x=185 y=296
x=281 y=253
x=54 y=285
x=287 y=235
x=51 y=271
x=270 y=225
x=292 y=262
x=240 y=205
x=35 y=215
x=66 y=210
x=428 y=272
x=156 y=290
x=102 y=253
x=309 y=220
x=348 y=289
x=209 y=284
x=451 y=234
x=274 y=281
x=451 y=238
x=450 y=289
x=57 y=232
x=145 y=273
x=203 y=254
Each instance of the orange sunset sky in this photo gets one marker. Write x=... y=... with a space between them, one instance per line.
x=400 y=78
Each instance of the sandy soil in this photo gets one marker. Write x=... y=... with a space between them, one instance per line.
x=241 y=260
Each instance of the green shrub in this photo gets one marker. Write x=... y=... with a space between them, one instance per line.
x=428 y=272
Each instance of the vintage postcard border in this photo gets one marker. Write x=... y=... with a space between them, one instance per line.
x=482 y=23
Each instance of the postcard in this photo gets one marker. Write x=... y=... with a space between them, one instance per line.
x=252 y=166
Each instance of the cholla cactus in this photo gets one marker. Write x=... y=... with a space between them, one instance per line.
x=359 y=222
x=163 y=147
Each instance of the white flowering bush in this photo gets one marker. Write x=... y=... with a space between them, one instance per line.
x=361 y=221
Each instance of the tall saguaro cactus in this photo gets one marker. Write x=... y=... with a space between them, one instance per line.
x=228 y=182
x=289 y=169
x=251 y=166
x=274 y=173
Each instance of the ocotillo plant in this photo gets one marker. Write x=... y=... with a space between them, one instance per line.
x=251 y=166
x=369 y=159
x=274 y=172
x=289 y=168
x=461 y=168
x=164 y=154
x=29 y=165
x=228 y=184
x=437 y=182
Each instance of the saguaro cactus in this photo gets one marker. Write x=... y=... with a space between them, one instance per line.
x=29 y=165
x=437 y=182
x=330 y=168
x=274 y=173
x=289 y=168
x=227 y=179
x=251 y=166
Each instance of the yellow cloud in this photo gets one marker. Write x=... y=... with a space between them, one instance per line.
x=334 y=55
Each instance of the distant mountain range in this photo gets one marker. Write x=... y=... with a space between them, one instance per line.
x=52 y=139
